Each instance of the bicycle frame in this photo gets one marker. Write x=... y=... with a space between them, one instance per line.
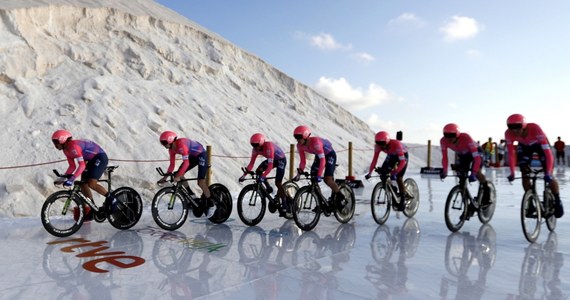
x=316 y=188
x=179 y=188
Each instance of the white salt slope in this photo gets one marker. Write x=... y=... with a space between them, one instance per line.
x=120 y=72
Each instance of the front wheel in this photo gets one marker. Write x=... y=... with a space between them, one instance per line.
x=549 y=209
x=455 y=209
x=413 y=203
x=62 y=214
x=128 y=210
x=223 y=203
x=486 y=211
x=251 y=205
x=306 y=209
x=345 y=214
x=380 y=204
x=530 y=216
x=169 y=209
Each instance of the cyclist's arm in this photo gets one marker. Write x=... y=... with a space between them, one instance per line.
x=401 y=158
x=302 y=159
x=511 y=153
x=444 y=159
x=251 y=160
x=172 y=161
x=374 y=159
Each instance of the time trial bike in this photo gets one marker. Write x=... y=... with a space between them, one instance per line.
x=385 y=197
x=460 y=206
x=255 y=197
x=309 y=203
x=534 y=210
x=63 y=212
x=171 y=204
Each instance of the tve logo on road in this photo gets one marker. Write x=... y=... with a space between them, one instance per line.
x=115 y=258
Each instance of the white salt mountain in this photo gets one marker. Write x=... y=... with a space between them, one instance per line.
x=120 y=72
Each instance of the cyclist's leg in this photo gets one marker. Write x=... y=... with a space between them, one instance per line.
x=524 y=157
x=554 y=188
x=330 y=165
x=260 y=169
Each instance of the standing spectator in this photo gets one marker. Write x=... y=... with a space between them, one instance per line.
x=560 y=146
x=489 y=152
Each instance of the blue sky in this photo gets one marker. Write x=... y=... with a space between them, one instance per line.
x=413 y=65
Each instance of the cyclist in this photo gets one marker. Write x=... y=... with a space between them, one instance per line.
x=396 y=161
x=193 y=154
x=275 y=159
x=324 y=163
x=468 y=153
x=531 y=139
x=87 y=159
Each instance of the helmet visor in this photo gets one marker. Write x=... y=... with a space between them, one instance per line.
x=381 y=143
x=164 y=143
x=255 y=145
x=450 y=135
x=515 y=126
x=298 y=136
x=55 y=142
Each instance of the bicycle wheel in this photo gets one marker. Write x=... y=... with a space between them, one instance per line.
x=458 y=256
x=224 y=203
x=347 y=212
x=410 y=237
x=129 y=208
x=530 y=216
x=549 y=209
x=58 y=214
x=455 y=209
x=485 y=212
x=382 y=244
x=252 y=245
x=306 y=209
x=251 y=205
x=169 y=209
x=380 y=204
x=412 y=204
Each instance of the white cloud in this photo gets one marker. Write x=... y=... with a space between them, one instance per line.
x=340 y=91
x=364 y=57
x=460 y=28
x=407 y=19
x=326 y=41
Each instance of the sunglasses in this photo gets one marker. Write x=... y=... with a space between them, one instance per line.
x=381 y=143
x=254 y=145
x=298 y=136
x=450 y=135
x=55 y=142
x=514 y=126
x=164 y=143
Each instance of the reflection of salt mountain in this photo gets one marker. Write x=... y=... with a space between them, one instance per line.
x=120 y=72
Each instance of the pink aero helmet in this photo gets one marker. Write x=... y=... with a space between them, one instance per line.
x=257 y=140
x=301 y=132
x=167 y=138
x=382 y=138
x=451 y=130
x=516 y=121
x=60 y=136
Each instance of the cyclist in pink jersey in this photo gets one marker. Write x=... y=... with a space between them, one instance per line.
x=531 y=139
x=396 y=161
x=468 y=156
x=193 y=154
x=85 y=159
x=275 y=159
x=325 y=160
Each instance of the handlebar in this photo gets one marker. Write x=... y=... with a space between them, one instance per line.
x=171 y=175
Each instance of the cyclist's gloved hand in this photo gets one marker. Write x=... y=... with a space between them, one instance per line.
x=393 y=177
x=367 y=176
x=242 y=178
x=442 y=175
x=177 y=178
x=511 y=177
x=547 y=178
x=68 y=183
x=297 y=177
x=60 y=180
x=260 y=179
x=472 y=177
x=317 y=178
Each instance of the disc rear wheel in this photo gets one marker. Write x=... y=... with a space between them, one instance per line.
x=345 y=212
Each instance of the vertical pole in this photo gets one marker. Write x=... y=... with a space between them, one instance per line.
x=429 y=154
x=350 y=160
x=291 y=161
x=209 y=172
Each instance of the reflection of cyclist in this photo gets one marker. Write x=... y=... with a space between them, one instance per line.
x=468 y=155
x=275 y=159
x=91 y=164
x=193 y=154
x=325 y=159
x=531 y=139
x=396 y=161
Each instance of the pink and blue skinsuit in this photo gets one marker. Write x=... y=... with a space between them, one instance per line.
x=325 y=156
x=396 y=154
x=275 y=159
x=468 y=153
x=193 y=154
x=535 y=141
x=90 y=158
